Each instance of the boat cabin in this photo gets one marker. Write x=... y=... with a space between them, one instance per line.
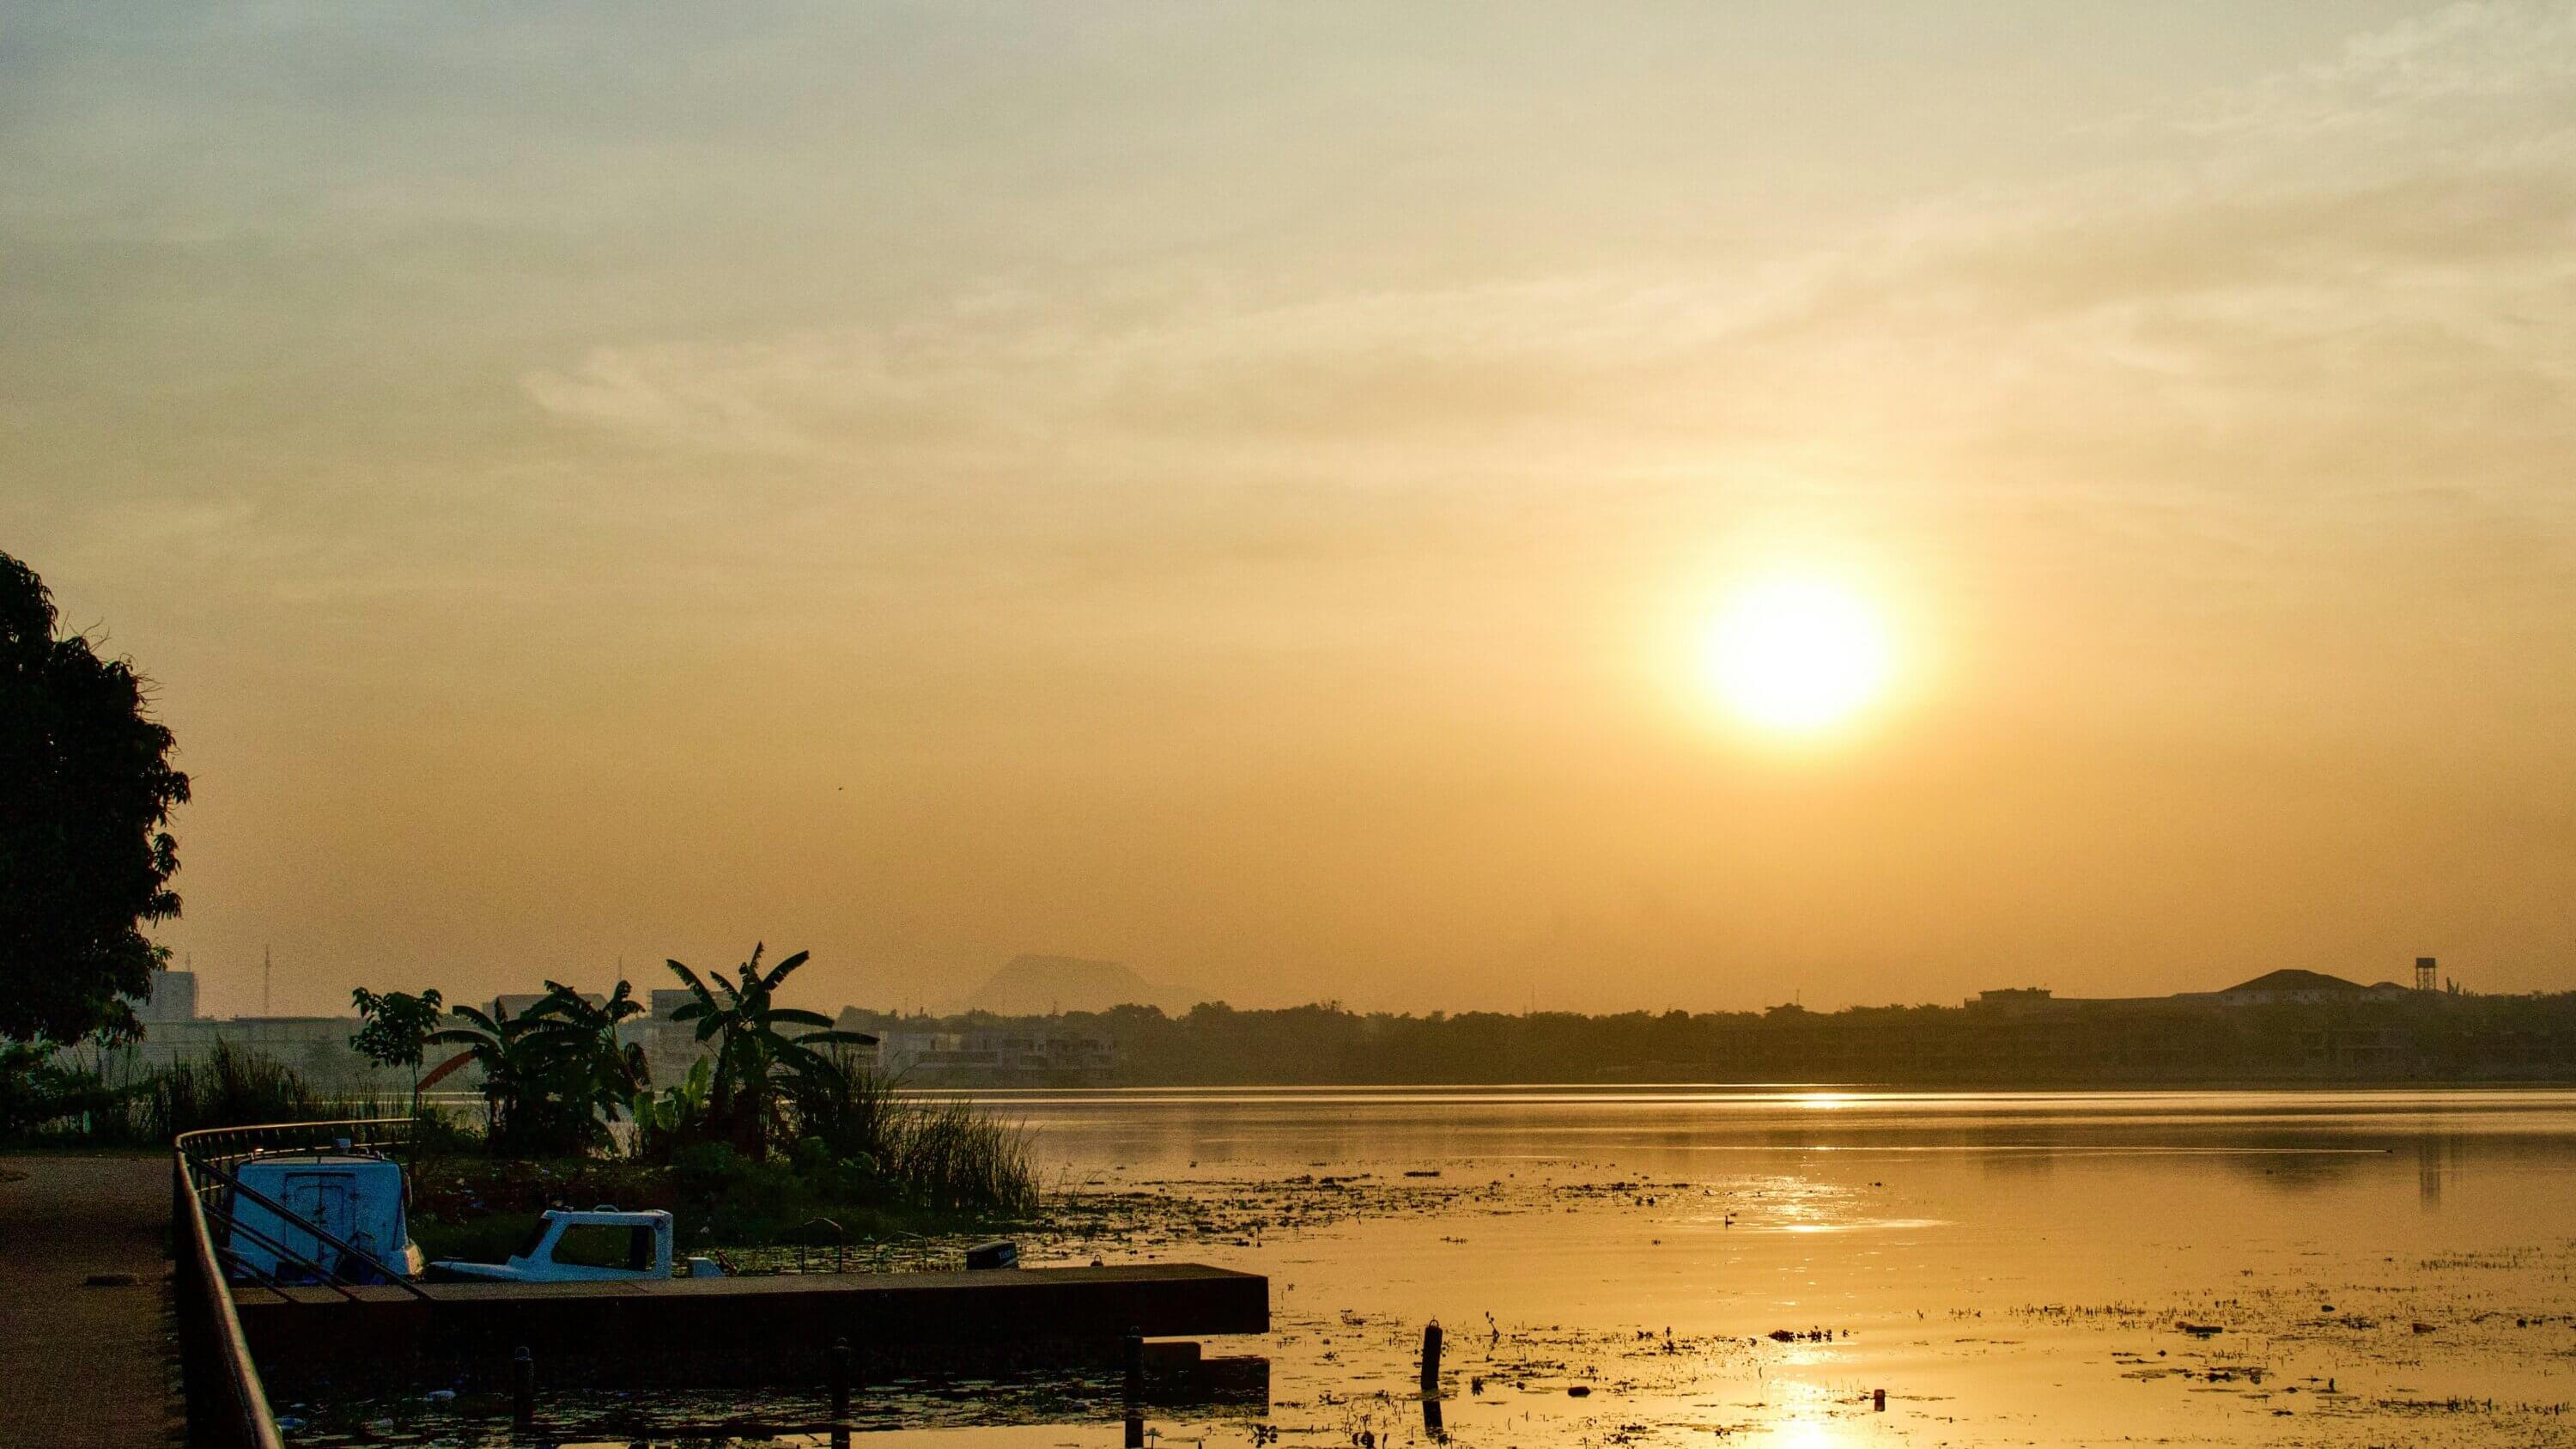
x=288 y=1207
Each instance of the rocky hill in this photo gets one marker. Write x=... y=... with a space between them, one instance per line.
x=1042 y=985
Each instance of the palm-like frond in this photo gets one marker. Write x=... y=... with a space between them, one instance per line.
x=779 y=972
x=689 y=979
x=845 y=1038
x=806 y=1060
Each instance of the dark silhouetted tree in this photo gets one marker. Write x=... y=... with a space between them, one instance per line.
x=85 y=788
x=395 y=1028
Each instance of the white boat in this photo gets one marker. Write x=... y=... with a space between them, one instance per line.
x=316 y=1216
x=601 y=1245
x=339 y=1215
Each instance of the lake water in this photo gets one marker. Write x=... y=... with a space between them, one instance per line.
x=1610 y=1266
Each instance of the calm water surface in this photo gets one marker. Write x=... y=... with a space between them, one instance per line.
x=2381 y=1268
x=2009 y=1268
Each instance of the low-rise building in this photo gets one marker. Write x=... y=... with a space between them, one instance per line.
x=2293 y=987
x=1012 y=1056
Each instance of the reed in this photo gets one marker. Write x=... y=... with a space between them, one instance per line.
x=83 y=1105
x=937 y=1153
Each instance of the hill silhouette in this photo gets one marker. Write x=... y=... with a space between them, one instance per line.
x=1033 y=985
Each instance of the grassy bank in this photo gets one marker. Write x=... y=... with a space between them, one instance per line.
x=479 y=1208
x=873 y=1161
x=847 y=1146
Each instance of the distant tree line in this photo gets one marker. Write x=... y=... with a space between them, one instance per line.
x=2421 y=1038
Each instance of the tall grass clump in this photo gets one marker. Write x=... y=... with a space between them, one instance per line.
x=947 y=1154
x=229 y=1089
x=69 y=1102
x=953 y=1155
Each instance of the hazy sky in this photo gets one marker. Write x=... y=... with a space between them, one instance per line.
x=1239 y=490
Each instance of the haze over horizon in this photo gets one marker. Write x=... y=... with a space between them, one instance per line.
x=1257 y=494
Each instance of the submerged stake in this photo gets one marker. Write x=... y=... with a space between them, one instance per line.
x=1431 y=1357
x=523 y=1387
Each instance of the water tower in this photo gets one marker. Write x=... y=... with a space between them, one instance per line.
x=2423 y=973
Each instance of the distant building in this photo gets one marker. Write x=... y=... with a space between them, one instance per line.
x=2012 y=998
x=2292 y=987
x=317 y=1047
x=670 y=1047
x=171 y=997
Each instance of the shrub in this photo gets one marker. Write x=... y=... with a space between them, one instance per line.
x=34 y=1092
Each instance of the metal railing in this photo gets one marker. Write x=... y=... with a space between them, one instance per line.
x=227 y=1404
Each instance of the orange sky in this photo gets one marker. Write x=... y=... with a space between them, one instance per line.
x=1241 y=491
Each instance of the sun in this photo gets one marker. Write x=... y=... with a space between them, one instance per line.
x=1796 y=654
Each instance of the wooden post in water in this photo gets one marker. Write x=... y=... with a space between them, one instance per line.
x=523 y=1387
x=1878 y=1401
x=838 y=1371
x=1132 y=1348
x=1431 y=1358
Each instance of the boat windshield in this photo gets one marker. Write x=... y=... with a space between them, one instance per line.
x=528 y=1245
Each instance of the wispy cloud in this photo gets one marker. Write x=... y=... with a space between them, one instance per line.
x=2446 y=67
x=2259 y=269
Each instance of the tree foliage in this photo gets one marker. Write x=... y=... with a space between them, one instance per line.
x=86 y=786
x=2413 y=1036
x=756 y=1061
x=394 y=1028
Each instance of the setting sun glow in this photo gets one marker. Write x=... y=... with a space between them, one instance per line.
x=1795 y=655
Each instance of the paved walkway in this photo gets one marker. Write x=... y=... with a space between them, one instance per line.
x=79 y=1365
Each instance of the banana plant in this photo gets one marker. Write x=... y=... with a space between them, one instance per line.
x=667 y=1119
x=524 y=1078
x=755 y=1056
x=607 y=1073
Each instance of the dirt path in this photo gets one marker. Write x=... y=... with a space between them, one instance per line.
x=84 y=1365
